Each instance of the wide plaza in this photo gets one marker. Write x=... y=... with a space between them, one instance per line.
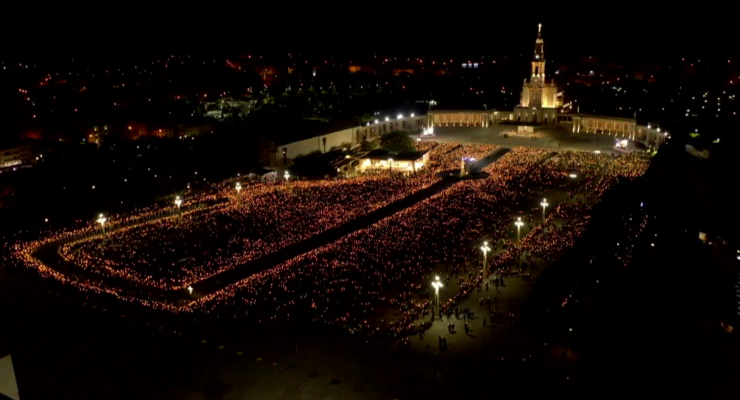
x=528 y=206
x=557 y=137
x=357 y=317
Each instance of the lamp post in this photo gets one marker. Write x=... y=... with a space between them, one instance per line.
x=190 y=290
x=101 y=220
x=178 y=203
x=238 y=190
x=287 y=176
x=544 y=205
x=390 y=166
x=485 y=248
x=436 y=285
x=518 y=224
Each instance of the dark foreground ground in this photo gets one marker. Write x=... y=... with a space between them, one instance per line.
x=649 y=329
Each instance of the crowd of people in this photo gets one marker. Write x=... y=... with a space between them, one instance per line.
x=171 y=248
x=375 y=280
x=261 y=218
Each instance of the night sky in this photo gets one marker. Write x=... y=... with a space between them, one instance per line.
x=410 y=29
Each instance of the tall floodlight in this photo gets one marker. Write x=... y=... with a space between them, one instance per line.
x=544 y=205
x=519 y=225
x=101 y=220
x=485 y=248
x=436 y=285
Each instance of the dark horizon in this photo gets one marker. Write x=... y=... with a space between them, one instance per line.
x=568 y=34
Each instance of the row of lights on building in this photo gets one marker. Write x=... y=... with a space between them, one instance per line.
x=400 y=116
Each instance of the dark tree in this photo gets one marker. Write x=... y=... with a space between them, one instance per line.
x=398 y=141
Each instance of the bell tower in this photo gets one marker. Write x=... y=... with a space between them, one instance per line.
x=538 y=60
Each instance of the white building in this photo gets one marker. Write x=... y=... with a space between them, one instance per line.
x=379 y=159
x=539 y=101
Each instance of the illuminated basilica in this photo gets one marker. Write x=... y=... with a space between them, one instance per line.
x=540 y=104
x=539 y=101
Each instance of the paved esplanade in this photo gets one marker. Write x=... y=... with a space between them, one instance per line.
x=550 y=136
x=216 y=282
x=219 y=281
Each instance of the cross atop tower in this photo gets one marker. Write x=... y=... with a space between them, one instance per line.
x=538 y=61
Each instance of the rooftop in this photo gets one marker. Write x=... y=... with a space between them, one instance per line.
x=380 y=154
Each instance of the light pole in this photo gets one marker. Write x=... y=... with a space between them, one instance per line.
x=238 y=190
x=485 y=248
x=544 y=205
x=518 y=224
x=101 y=220
x=436 y=285
x=287 y=176
x=390 y=166
x=190 y=289
x=178 y=203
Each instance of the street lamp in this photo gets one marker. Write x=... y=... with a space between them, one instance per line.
x=436 y=285
x=387 y=119
x=400 y=116
x=287 y=176
x=101 y=220
x=518 y=224
x=485 y=248
x=178 y=203
x=190 y=289
x=390 y=165
x=544 y=206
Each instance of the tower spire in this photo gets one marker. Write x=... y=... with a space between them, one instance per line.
x=538 y=60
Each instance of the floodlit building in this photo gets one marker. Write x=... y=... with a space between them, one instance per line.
x=538 y=104
x=539 y=101
x=379 y=159
x=541 y=104
x=227 y=107
x=16 y=156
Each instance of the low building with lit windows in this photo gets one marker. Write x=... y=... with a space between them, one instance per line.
x=379 y=159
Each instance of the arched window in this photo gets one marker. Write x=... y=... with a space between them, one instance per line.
x=536 y=70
